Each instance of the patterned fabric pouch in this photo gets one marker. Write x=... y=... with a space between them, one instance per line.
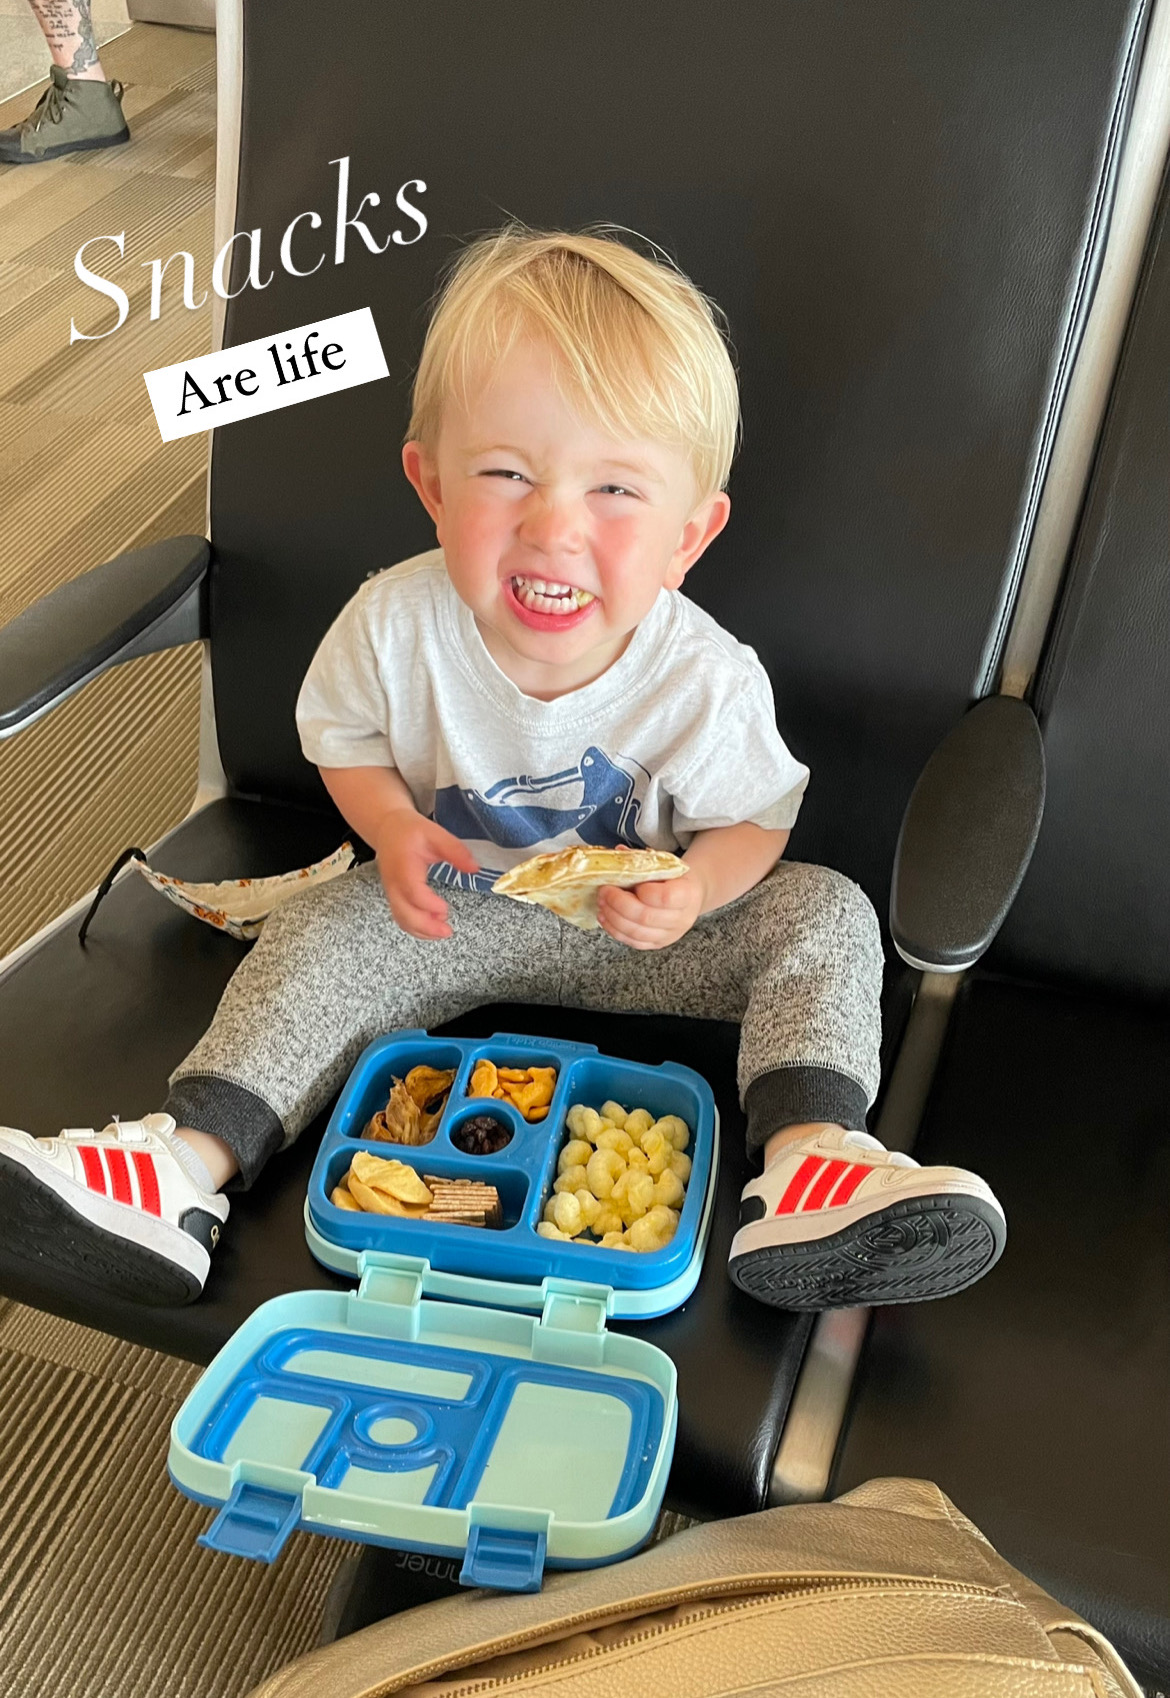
x=238 y=906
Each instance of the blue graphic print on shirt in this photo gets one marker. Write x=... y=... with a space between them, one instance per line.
x=597 y=800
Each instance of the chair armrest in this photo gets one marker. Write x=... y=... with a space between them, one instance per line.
x=143 y=601
x=967 y=836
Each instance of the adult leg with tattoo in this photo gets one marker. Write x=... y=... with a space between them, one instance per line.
x=67 y=26
x=79 y=110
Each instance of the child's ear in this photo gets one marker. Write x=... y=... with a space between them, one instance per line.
x=420 y=467
x=701 y=529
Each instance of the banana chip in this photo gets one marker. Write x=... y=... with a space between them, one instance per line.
x=341 y=1198
x=381 y=1202
x=392 y=1178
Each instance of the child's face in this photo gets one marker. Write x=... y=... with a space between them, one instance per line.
x=524 y=493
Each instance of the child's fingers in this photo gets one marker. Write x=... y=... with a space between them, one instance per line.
x=419 y=921
x=627 y=906
x=448 y=847
x=663 y=893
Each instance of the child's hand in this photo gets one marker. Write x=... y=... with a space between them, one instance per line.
x=651 y=915
x=407 y=844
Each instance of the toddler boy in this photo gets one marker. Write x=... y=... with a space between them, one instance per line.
x=538 y=680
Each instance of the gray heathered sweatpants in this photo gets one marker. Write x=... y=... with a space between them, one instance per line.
x=797 y=960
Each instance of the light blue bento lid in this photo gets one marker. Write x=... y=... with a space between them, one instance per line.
x=507 y=1267
x=388 y=1417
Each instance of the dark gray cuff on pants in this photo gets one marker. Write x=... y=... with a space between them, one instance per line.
x=249 y=1128
x=789 y=1096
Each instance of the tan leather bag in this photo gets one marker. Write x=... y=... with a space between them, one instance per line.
x=889 y=1590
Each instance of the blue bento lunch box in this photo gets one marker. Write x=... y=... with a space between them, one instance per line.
x=467 y=1400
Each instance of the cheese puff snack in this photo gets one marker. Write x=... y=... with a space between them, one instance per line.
x=575 y=1154
x=619 y=1170
x=669 y=1190
x=675 y=1130
x=614 y=1138
x=584 y=1122
x=654 y=1230
x=603 y=1168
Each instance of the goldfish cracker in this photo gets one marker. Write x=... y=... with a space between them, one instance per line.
x=639 y=1120
x=590 y=1207
x=613 y=1138
x=608 y=1220
x=572 y=1179
x=654 y=1230
x=681 y=1165
x=675 y=1130
x=603 y=1169
x=669 y=1191
x=566 y=1214
x=575 y=1154
x=547 y=1229
x=614 y=1113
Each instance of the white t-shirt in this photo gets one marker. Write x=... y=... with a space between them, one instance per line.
x=679 y=734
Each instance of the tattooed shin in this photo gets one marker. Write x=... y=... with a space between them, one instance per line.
x=68 y=29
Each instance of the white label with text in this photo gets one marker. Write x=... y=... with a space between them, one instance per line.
x=274 y=371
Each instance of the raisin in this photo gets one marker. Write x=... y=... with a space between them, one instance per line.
x=481 y=1135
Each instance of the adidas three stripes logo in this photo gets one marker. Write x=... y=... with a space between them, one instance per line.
x=819 y=1183
x=111 y=1174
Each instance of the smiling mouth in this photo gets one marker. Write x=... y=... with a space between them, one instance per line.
x=541 y=596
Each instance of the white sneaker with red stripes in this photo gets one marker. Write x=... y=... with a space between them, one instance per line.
x=836 y=1219
x=116 y=1209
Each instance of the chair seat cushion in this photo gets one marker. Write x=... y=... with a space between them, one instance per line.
x=1038 y=1400
x=89 y=1033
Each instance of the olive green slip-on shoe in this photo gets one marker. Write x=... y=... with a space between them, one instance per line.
x=73 y=114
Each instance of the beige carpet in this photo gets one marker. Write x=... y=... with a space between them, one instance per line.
x=103 y=1591
x=83 y=471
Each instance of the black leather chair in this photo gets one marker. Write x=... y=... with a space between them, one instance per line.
x=902 y=207
x=1040 y=1399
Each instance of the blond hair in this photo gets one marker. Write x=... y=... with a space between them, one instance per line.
x=636 y=346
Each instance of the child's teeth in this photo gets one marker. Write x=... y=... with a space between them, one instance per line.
x=546 y=597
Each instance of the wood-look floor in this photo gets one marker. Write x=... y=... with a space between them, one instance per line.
x=104 y=1592
x=83 y=471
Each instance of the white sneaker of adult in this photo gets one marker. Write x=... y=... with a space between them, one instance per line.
x=115 y=1210
x=837 y=1220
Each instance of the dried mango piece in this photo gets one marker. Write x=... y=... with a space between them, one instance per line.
x=399 y=1122
x=485 y=1081
x=425 y=1084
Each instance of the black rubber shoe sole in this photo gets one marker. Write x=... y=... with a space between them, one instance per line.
x=40 y=1227
x=69 y=147
x=920 y=1248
